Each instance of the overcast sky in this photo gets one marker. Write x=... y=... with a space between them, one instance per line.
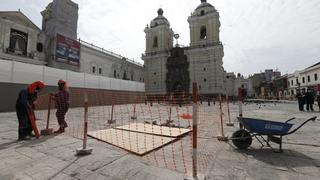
x=257 y=34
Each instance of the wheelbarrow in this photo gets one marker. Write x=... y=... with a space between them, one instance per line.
x=258 y=128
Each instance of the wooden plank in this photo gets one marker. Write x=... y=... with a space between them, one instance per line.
x=154 y=129
x=137 y=143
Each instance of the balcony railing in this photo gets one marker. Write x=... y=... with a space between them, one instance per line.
x=19 y=53
x=90 y=45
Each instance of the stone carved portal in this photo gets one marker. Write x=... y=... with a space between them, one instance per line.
x=177 y=79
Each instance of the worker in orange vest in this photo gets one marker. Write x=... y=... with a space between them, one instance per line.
x=62 y=104
x=25 y=104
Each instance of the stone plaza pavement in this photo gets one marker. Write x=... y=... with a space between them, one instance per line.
x=53 y=157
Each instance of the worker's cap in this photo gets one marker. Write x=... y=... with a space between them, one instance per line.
x=38 y=85
x=62 y=82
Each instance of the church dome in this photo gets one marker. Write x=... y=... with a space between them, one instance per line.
x=159 y=20
x=204 y=8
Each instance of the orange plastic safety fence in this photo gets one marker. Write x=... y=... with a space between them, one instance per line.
x=151 y=122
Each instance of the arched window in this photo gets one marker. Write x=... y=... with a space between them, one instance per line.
x=155 y=42
x=124 y=76
x=18 y=42
x=203 y=32
x=202 y=13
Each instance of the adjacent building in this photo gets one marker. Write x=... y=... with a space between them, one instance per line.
x=304 y=80
x=280 y=86
x=56 y=44
x=20 y=38
x=233 y=83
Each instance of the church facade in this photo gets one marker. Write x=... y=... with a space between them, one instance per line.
x=173 y=69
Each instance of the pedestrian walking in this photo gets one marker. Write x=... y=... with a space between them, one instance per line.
x=24 y=104
x=309 y=100
x=301 y=100
x=61 y=99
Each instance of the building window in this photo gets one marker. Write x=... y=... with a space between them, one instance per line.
x=203 y=32
x=131 y=77
x=100 y=70
x=204 y=69
x=291 y=82
x=303 y=80
x=202 y=13
x=155 y=42
x=154 y=73
x=308 y=78
x=292 y=92
x=114 y=73
x=154 y=83
x=18 y=42
x=39 y=47
x=316 y=77
x=205 y=80
x=199 y=87
x=125 y=76
x=297 y=81
x=93 y=69
x=288 y=83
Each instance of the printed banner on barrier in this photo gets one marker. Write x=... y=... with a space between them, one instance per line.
x=67 y=50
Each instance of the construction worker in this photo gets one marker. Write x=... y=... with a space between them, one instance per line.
x=25 y=104
x=62 y=104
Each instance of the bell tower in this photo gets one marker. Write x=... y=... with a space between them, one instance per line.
x=204 y=25
x=159 y=42
x=159 y=36
x=206 y=51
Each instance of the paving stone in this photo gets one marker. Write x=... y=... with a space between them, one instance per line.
x=62 y=176
x=153 y=173
x=74 y=170
x=40 y=172
x=123 y=168
x=30 y=152
x=54 y=162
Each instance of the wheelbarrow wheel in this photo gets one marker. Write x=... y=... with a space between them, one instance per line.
x=241 y=139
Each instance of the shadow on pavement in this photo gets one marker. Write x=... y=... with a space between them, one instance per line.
x=32 y=142
x=8 y=144
x=289 y=158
